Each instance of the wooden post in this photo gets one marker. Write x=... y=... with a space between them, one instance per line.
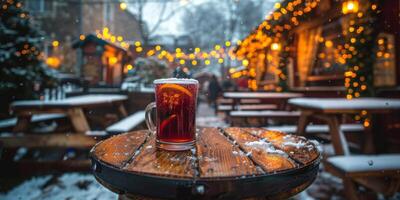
x=303 y=122
x=78 y=120
x=350 y=189
x=22 y=123
x=122 y=110
x=338 y=139
x=368 y=146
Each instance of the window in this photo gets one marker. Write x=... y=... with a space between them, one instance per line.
x=329 y=65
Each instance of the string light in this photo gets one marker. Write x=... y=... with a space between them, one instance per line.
x=350 y=7
x=55 y=43
x=275 y=46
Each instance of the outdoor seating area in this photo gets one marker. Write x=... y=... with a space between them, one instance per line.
x=200 y=99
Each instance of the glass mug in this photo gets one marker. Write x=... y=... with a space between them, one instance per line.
x=175 y=106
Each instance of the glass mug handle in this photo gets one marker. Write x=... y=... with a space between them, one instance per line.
x=149 y=121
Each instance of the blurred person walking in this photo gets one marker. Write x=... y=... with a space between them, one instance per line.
x=214 y=91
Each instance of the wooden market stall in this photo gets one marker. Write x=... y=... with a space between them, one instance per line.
x=329 y=48
x=103 y=62
x=339 y=47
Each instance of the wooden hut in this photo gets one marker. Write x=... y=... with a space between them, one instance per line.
x=103 y=62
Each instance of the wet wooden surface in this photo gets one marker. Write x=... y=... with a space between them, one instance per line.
x=218 y=157
x=116 y=151
x=150 y=160
x=226 y=152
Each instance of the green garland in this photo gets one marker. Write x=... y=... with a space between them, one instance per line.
x=362 y=48
x=283 y=63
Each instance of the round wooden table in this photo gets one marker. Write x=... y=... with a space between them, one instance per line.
x=226 y=163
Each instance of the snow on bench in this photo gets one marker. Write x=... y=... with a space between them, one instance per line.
x=370 y=164
x=317 y=128
x=379 y=173
x=8 y=123
x=243 y=101
x=247 y=107
x=250 y=101
x=265 y=113
x=224 y=101
x=127 y=124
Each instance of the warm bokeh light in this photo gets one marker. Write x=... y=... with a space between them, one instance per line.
x=275 y=46
x=328 y=43
x=350 y=7
x=55 y=43
x=53 y=62
x=245 y=63
x=112 y=60
x=123 y=5
x=139 y=49
x=137 y=43
x=129 y=67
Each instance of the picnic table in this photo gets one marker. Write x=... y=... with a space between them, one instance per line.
x=229 y=163
x=280 y=98
x=331 y=109
x=73 y=107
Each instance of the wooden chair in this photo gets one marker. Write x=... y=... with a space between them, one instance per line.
x=379 y=173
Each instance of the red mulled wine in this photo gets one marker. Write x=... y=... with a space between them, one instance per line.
x=176 y=101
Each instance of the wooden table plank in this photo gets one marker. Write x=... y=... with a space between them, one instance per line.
x=261 y=152
x=163 y=163
x=298 y=148
x=218 y=157
x=119 y=149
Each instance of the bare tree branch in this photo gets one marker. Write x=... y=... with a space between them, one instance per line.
x=162 y=19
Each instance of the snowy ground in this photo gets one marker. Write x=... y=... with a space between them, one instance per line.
x=71 y=186
x=206 y=117
x=76 y=186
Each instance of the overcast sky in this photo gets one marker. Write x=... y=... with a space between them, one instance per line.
x=173 y=25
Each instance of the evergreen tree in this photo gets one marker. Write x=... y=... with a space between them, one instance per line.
x=22 y=72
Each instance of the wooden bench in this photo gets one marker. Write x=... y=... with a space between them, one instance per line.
x=129 y=123
x=379 y=173
x=10 y=123
x=265 y=114
x=261 y=117
x=225 y=108
x=322 y=131
x=317 y=128
x=242 y=101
